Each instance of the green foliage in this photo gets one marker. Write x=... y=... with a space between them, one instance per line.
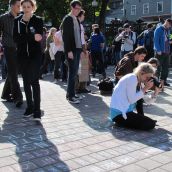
x=3 y=6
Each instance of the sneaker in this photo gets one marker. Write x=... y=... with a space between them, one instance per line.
x=37 y=114
x=166 y=84
x=28 y=113
x=73 y=100
x=36 y=119
x=78 y=97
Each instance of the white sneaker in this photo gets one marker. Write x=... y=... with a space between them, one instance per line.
x=73 y=100
x=55 y=81
x=36 y=119
x=78 y=97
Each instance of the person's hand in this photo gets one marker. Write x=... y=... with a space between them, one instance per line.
x=159 y=53
x=70 y=55
x=157 y=91
x=149 y=84
x=38 y=37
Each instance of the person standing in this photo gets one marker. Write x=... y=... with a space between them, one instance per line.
x=59 y=57
x=71 y=33
x=97 y=44
x=162 y=50
x=128 y=38
x=11 y=91
x=28 y=30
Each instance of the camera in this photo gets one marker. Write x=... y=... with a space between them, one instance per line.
x=126 y=36
x=156 y=82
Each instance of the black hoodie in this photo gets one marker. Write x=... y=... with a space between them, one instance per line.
x=23 y=34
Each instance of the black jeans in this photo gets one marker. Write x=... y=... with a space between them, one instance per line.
x=63 y=68
x=162 y=71
x=58 y=58
x=30 y=74
x=11 y=84
x=97 y=62
x=73 y=65
x=46 y=61
x=135 y=121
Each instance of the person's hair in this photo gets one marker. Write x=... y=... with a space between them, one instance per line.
x=12 y=2
x=150 y=25
x=32 y=2
x=94 y=26
x=139 y=50
x=52 y=29
x=144 y=68
x=126 y=25
x=153 y=61
x=75 y=2
x=97 y=30
x=82 y=12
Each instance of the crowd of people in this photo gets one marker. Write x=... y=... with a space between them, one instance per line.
x=29 y=49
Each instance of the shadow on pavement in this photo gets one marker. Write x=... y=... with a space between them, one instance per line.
x=30 y=147
x=158 y=138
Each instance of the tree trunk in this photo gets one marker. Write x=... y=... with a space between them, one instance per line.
x=104 y=5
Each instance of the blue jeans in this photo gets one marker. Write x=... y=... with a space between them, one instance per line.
x=73 y=65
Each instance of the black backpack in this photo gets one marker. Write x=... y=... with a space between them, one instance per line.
x=148 y=38
x=106 y=86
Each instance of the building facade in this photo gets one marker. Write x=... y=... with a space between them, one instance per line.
x=148 y=10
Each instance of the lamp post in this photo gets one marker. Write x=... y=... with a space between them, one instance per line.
x=94 y=5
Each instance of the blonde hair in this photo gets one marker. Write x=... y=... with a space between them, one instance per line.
x=52 y=29
x=32 y=2
x=144 y=68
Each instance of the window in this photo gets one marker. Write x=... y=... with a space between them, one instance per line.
x=159 y=7
x=133 y=9
x=146 y=8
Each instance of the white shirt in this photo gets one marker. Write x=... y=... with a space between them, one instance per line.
x=59 y=45
x=82 y=35
x=128 y=43
x=125 y=94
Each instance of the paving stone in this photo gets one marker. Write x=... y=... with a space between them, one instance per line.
x=167 y=167
x=108 y=165
x=149 y=164
x=6 y=161
x=91 y=168
x=7 y=169
x=162 y=159
x=132 y=168
x=25 y=166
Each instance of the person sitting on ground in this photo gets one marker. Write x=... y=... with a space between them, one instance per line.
x=125 y=95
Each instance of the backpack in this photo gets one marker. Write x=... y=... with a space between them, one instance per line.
x=106 y=86
x=135 y=43
x=148 y=38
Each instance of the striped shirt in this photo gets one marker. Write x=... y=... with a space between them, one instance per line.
x=6 y=28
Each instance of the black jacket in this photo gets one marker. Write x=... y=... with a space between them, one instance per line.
x=67 y=27
x=23 y=34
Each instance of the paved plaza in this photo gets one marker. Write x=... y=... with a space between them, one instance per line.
x=78 y=138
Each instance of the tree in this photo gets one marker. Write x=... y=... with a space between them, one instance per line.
x=3 y=6
x=104 y=5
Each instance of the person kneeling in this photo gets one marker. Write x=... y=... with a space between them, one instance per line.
x=125 y=95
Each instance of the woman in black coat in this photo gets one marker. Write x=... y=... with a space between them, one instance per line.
x=28 y=30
